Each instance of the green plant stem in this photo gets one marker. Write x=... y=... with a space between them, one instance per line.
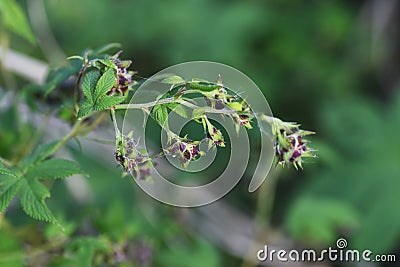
x=145 y=105
x=172 y=100
x=262 y=216
x=114 y=120
x=73 y=133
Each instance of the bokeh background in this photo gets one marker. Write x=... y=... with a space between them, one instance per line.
x=331 y=65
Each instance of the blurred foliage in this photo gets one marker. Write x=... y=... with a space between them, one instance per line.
x=365 y=176
x=14 y=20
x=312 y=60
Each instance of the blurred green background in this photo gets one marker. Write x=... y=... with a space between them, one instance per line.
x=331 y=65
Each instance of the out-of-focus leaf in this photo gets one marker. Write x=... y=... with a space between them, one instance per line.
x=11 y=254
x=82 y=250
x=15 y=19
x=174 y=80
x=39 y=154
x=105 y=49
x=199 y=254
x=318 y=220
x=57 y=76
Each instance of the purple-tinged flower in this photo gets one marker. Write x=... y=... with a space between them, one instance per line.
x=290 y=145
x=215 y=136
x=124 y=77
x=130 y=158
x=184 y=149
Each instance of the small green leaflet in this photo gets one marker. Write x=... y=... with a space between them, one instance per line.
x=108 y=101
x=6 y=171
x=95 y=89
x=105 y=83
x=179 y=109
x=85 y=107
x=108 y=63
x=160 y=114
x=53 y=169
x=89 y=83
x=33 y=195
x=9 y=187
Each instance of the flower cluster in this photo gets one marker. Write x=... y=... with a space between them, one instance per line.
x=185 y=149
x=290 y=144
x=130 y=158
x=124 y=77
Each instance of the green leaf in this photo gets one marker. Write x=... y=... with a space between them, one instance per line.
x=108 y=63
x=107 y=102
x=11 y=249
x=160 y=114
x=179 y=109
x=89 y=84
x=105 y=83
x=9 y=188
x=15 y=20
x=40 y=153
x=203 y=86
x=84 y=108
x=4 y=170
x=57 y=76
x=318 y=219
x=174 y=80
x=105 y=48
x=53 y=169
x=33 y=194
